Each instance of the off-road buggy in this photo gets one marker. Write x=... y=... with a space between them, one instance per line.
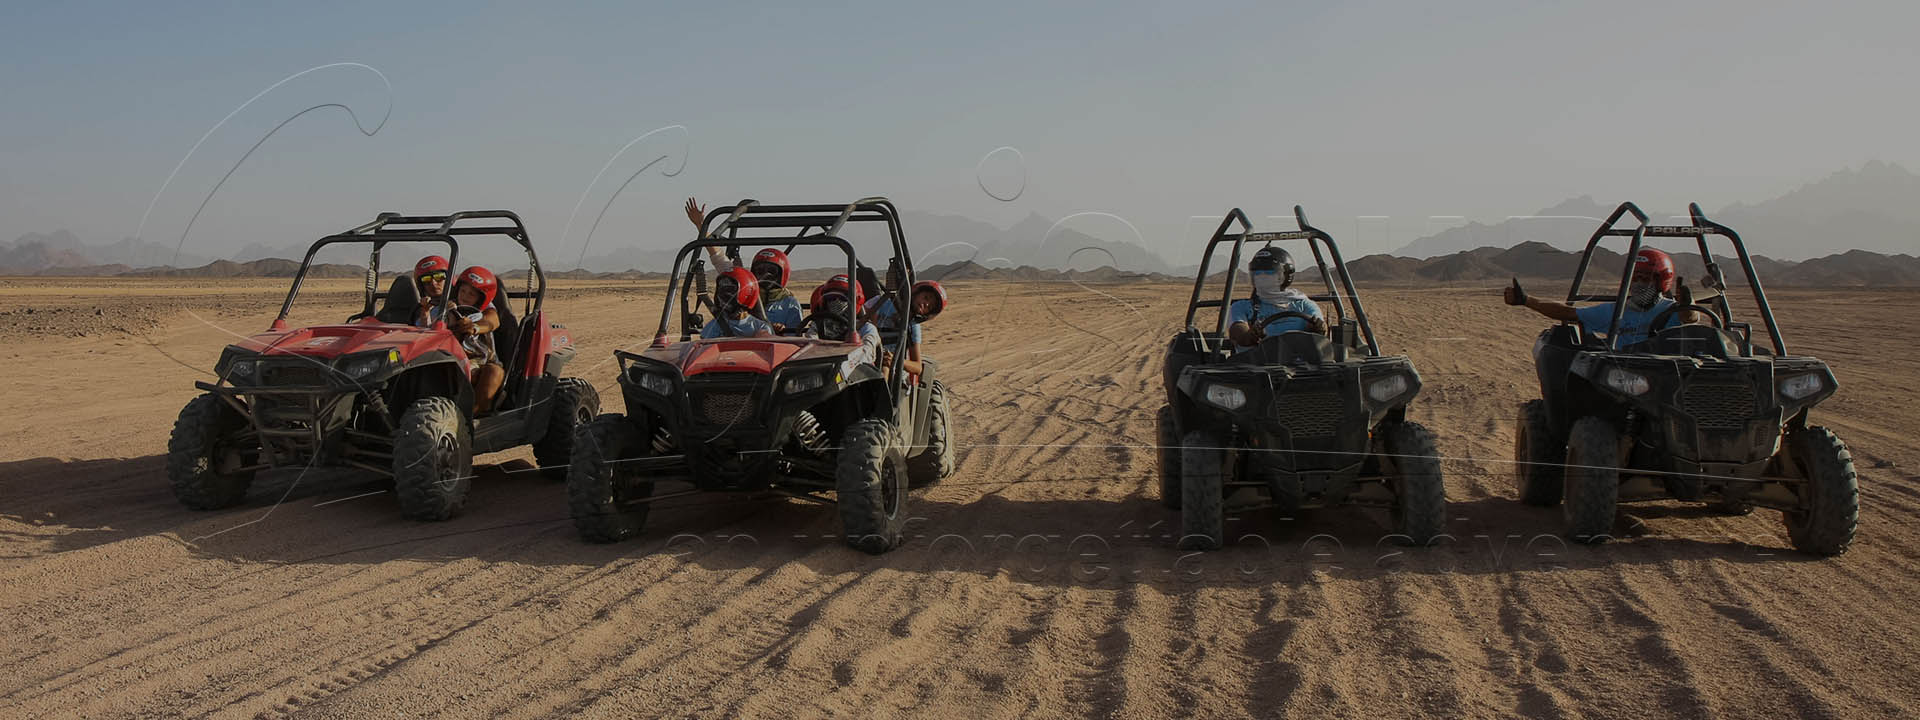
x=1695 y=412
x=378 y=393
x=785 y=415
x=1301 y=420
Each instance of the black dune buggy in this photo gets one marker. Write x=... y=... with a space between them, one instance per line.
x=378 y=393
x=786 y=415
x=1695 y=412
x=1301 y=420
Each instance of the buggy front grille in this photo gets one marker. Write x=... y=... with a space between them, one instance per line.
x=1718 y=407
x=297 y=373
x=1314 y=415
x=723 y=407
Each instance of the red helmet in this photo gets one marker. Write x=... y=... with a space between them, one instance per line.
x=481 y=279
x=428 y=264
x=746 y=291
x=837 y=285
x=1657 y=265
x=776 y=257
x=938 y=292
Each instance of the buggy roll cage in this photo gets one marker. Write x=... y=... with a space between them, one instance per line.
x=721 y=229
x=447 y=227
x=1699 y=230
x=1315 y=237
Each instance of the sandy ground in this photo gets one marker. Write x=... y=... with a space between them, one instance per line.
x=1039 y=581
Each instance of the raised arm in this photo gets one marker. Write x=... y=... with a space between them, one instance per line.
x=1552 y=309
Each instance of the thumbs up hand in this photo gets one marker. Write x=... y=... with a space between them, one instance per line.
x=1514 y=295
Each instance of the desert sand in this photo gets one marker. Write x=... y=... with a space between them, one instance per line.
x=1039 y=581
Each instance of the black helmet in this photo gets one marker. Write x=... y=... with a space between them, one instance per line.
x=1271 y=258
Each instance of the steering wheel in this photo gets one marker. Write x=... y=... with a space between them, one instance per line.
x=1660 y=321
x=1284 y=315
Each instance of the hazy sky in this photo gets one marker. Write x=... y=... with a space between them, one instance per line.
x=1152 y=113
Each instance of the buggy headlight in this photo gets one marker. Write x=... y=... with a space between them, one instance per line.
x=1800 y=386
x=805 y=382
x=240 y=369
x=360 y=366
x=1226 y=397
x=1630 y=383
x=1387 y=388
x=656 y=384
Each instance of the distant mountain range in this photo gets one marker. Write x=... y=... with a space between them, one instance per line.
x=1874 y=208
x=34 y=253
x=1543 y=267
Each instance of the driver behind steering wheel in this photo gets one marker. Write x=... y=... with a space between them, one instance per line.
x=1647 y=297
x=475 y=290
x=1273 y=292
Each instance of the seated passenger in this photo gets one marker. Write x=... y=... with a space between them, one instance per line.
x=1273 y=292
x=928 y=299
x=736 y=293
x=430 y=276
x=831 y=303
x=476 y=289
x=1652 y=280
x=783 y=309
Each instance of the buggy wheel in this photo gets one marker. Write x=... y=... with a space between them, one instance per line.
x=1830 y=498
x=575 y=402
x=1419 y=491
x=1203 y=498
x=432 y=460
x=1167 y=437
x=935 y=461
x=1592 y=480
x=871 y=480
x=202 y=457
x=1537 y=453
x=605 y=500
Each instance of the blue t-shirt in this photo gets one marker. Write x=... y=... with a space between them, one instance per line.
x=1294 y=300
x=785 y=311
x=1634 y=324
x=885 y=316
x=748 y=326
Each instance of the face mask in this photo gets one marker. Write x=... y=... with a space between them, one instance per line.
x=768 y=275
x=1267 y=284
x=1642 y=295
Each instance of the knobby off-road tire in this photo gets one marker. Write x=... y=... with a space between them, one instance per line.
x=575 y=403
x=1832 y=494
x=1419 y=491
x=1592 y=480
x=1203 y=498
x=1537 y=453
x=606 y=500
x=197 y=450
x=934 y=462
x=871 y=480
x=432 y=460
x=1167 y=438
